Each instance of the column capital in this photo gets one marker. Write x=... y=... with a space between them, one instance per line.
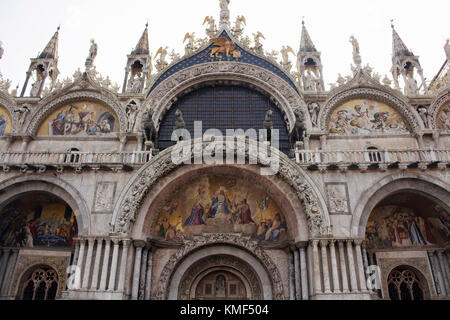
x=139 y=243
x=115 y=241
x=324 y=243
x=126 y=242
x=315 y=243
x=332 y=243
x=349 y=241
x=358 y=242
x=301 y=244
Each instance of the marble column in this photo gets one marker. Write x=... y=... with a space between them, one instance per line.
x=137 y=269
x=77 y=253
x=297 y=275
x=326 y=271
x=360 y=266
x=3 y=262
x=316 y=261
x=304 y=274
x=123 y=264
x=143 y=276
x=439 y=281
x=96 y=271
x=365 y=261
x=9 y=271
x=115 y=258
x=351 y=266
x=105 y=266
x=291 y=276
x=148 y=281
x=343 y=267
x=444 y=271
x=80 y=264
x=87 y=268
x=336 y=288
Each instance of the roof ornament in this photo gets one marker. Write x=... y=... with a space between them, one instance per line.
x=224 y=14
x=93 y=50
x=356 y=53
x=238 y=28
x=212 y=29
x=1 y=49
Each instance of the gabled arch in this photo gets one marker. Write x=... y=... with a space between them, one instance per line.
x=84 y=88
x=362 y=86
x=9 y=105
x=442 y=98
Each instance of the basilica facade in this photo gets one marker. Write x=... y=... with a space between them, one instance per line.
x=347 y=197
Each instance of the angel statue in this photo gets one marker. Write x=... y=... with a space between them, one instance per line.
x=258 y=48
x=285 y=63
x=212 y=29
x=190 y=47
x=161 y=63
x=239 y=24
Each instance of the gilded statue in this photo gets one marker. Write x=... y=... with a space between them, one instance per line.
x=223 y=45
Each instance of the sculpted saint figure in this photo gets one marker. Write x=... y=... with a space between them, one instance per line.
x=224 y=4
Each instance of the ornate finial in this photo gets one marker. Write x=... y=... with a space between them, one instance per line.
x=224 y=14
x=303 y=20
x=59 y=27
x=392 y=24
x=146 y=25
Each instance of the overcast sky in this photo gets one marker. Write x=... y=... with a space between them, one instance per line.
x=27 y=25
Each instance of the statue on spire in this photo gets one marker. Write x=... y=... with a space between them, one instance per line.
x=93 y=50
x=224 y=14
x=356 y=54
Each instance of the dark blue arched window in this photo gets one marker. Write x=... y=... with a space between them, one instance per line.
x=223 y=107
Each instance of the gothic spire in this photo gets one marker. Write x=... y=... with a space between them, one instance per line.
x=51 y=50
x=306 y=44
x=399 y=48
x=142 y=46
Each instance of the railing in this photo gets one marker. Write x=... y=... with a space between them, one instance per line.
x=372 y=156
x=74 y=158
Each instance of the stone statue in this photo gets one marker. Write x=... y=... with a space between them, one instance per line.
x=135 y=83
x=310 y=81
x=299 y=130
x=161 y=63
x=132 y=111
x=190 y=46
x=179 y=122
x=150 y=133
x=314 y=109
x=411 y=88
x=285 y=63
x=92 y=55
x=258 y=48
x=22 y=114
x=224 y=4
x=1 y=49
x=35 y=88
x=212 y=29
x=426 y=118
x=356 y=54
x=239 y=26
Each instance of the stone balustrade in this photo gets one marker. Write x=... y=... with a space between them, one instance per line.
x=365 y=159
x=41 y=161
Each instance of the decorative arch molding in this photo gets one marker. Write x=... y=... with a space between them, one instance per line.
x=428 y=186
x=131 y=200
x=49 y=105
x=378 y=93
x=286 y=97
x=442 y=98
x=10 y=105
x=235 y=245
x=34 y=183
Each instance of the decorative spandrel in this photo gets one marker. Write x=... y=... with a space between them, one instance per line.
x=443 y=118
x=361 y=117
x=37 y=220
x=80 y=119
x=5 y=122
x=394 y=226
x=219 y=204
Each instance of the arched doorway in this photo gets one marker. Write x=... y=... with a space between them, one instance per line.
x=220 y=277
x=39 y=283
x=406 y=283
